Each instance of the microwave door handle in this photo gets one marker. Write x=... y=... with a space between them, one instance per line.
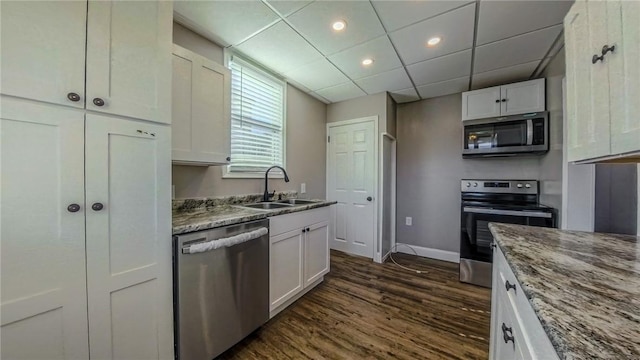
x=529 y=132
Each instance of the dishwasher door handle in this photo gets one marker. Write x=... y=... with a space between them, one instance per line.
x=224 y=242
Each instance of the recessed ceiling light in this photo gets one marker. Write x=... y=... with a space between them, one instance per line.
x=366 y=62
x=433 y=41
x=339 y=25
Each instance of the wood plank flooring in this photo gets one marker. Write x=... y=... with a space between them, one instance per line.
x=365 y=310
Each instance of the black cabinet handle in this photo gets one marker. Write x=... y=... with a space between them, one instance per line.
x=607 y=48
x=304 y=230
x=504 y=100
x=597 y=58
x=509 y=286
x=507 y=337
x=98 y=102
x=497 y=101
x=73 y=208
x=493 y=245
x=97 y=206
x=308 y=230
x=73 y=97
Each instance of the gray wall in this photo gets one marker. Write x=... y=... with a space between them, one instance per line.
x=430 y=165
x=616 y=199
x=305 y=143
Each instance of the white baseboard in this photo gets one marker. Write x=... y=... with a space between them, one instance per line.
x=437 y=254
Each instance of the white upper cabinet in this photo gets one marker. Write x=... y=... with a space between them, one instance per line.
x=479 y=104
x=623 y=18
x=129 y=58
x=512 y=99
x=522 y=97
x=602 y=41
x=43 y=50
x=201 y=112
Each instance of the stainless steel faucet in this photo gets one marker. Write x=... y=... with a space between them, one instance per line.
x=266 y=195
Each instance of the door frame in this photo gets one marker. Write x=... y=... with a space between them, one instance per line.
x=374 y=120
x=380 y=257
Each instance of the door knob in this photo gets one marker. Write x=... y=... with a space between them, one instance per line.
x=98 y=102
x=97 y=206
x=73 y=97
x=73 y=208
x=369 y=198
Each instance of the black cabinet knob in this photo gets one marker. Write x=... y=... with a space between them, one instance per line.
x=504 y=100
x=73 y=208
x=304 y=230
x=73 y=97
x=369 y=198
x=497 y=101
x=509 y=286
x=308 y=229
x=505 y=336
x=228 y=158
x=98 y=102
x=597 y=58
x=97 y=206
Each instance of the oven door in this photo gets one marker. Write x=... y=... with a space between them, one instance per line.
x=476 y=239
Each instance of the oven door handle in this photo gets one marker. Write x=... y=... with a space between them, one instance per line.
x=535 y=214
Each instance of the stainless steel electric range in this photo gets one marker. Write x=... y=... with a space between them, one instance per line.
x=503 y=201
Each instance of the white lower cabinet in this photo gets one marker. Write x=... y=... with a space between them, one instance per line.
x=299 y=255
x=516 y=332
x=85 y=237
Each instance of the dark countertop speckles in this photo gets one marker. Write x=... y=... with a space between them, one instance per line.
x=209 y=217
x=584 y=287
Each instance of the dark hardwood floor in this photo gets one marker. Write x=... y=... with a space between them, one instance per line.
x=365 y=310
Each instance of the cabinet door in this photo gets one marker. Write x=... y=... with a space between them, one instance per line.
x=479 y=104
x=201 y=110
x=43 y=295
x=316 y=252
x=43 y=49
x=285 y=267
x=624 y=75
x=129 y=58
x=522 y=97
x=128 y=239
x=588 y=123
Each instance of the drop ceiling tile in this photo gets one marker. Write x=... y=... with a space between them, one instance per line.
x=395 y=14
x=273 y=48
x=288 y=7
x=406 y=95
x=319 y=74
x=225 y=22
x=444 y=88
x=440 y=69
x=386 y=81
x=341 y=92
x=314 y=22
x=455 y=28
x=515 y=50
x=379 y=49
x=505 y=75
x=517 y=17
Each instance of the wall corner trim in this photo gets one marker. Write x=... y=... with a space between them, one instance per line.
x=431 y=253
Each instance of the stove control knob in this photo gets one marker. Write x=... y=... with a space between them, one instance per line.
x=475 y=184
x=519 y=186
x=468 y=184
x=528 y=186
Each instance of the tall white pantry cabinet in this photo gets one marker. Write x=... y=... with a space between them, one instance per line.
x=85 y=163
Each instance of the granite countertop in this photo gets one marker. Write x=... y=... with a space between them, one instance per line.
x=201 y=214
x=584 y=287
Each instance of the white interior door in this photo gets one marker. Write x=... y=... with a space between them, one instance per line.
x=129 y=239
x=352 y=183
x=129 y=58
x=43 y=295
x=43 y=49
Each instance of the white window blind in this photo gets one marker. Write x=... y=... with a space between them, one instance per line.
x=257 y=119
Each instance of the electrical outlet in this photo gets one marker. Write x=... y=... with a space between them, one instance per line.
x=303 y=188
x=409 y=221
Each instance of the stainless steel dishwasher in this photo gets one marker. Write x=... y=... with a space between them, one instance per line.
x=221 y=287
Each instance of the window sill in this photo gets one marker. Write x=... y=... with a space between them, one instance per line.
x=250 y=175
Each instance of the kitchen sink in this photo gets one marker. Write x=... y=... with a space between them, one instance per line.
x=267 y=205
x=297 y=201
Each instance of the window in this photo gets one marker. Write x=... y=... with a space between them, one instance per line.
x=257 y=120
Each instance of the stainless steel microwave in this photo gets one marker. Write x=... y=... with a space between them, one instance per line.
x=506 y=135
